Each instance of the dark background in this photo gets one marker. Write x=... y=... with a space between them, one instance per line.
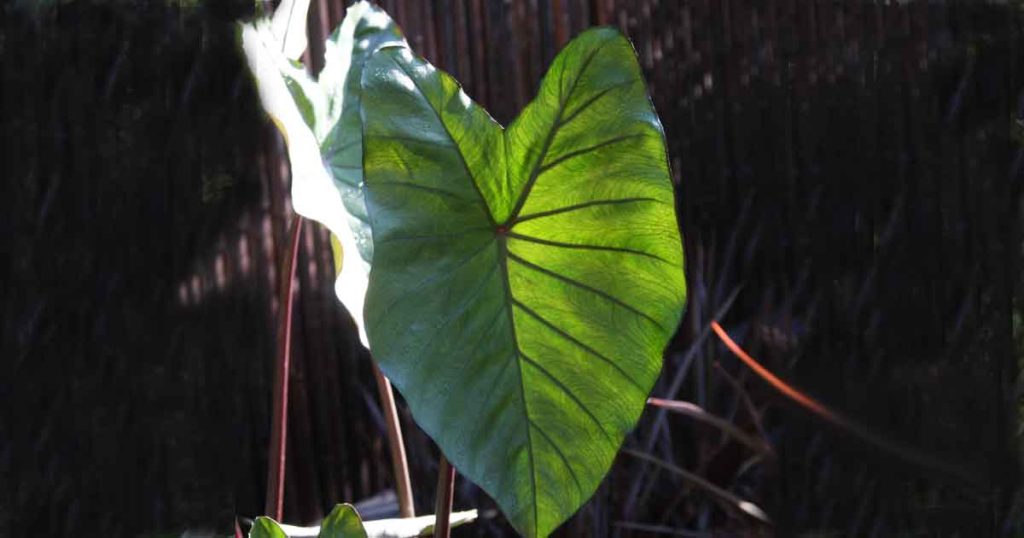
x=849 y=172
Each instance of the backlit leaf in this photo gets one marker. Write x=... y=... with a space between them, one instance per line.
x=342 y=522
x=525 y=280
x=264 y=527
x=319 y=119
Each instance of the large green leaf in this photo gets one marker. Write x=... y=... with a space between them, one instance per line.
x=525 y=280
x=365 y=30
x=319 y=119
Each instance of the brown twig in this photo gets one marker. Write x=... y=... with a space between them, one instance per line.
x=727 y=498
x=279 y=424
x=445 y=496
x=698 y=413
x=399 y=462
x=755 y=415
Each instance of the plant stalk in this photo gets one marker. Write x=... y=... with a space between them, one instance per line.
x=445 y=496
x=279 y=425
x=399 y=462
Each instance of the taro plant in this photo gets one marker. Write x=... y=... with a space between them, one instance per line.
x=523 y=280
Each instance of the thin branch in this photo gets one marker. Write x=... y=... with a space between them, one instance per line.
x=906 y=453
x=279 y=425
x=445 y=496
x=727 y=498
x=698 y=413
x=399 y=462
x=755 y=415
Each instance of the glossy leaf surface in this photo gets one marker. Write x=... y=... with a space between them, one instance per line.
x=342 y=148
x=319 y=119
x=527 y=279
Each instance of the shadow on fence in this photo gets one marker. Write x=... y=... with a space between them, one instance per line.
x=850 y=171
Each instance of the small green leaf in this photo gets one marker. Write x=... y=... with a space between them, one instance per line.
x=408 y=527
x=525 y=280
x=343 y=522
x=264 y=527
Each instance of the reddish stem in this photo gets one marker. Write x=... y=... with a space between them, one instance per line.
x=445 y=496
x=908 y=453
x=279 y=426
x=399 y=463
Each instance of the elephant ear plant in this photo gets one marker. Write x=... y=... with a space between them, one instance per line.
x=523 y=280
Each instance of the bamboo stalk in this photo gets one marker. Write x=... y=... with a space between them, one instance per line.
x=279 y=424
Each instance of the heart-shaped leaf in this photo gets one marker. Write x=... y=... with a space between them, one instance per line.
x=527 y=279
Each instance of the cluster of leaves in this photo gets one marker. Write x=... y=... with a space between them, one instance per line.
x=344 y=522
x=518 y=283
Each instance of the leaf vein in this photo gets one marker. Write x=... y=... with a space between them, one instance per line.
x=555 y=126
x=560 y=244
x=436 y=276
x=584 y=205
x=456 y=312
x=431 y=236
x=561 y=454
x=565 y=157
x=510 y=300
x=600 y=293
x=455 y=145
x=547 y=373
x=594 y=99
x=565 y=335
x=425 y=188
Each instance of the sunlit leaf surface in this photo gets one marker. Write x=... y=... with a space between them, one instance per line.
x=342 y=522
x=525 y=280
x=320 y=122
x=264 y=527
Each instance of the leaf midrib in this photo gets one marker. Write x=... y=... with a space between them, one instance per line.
x=555 y=126
x=501 y=241
x=502 y=255
x=455 y=144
